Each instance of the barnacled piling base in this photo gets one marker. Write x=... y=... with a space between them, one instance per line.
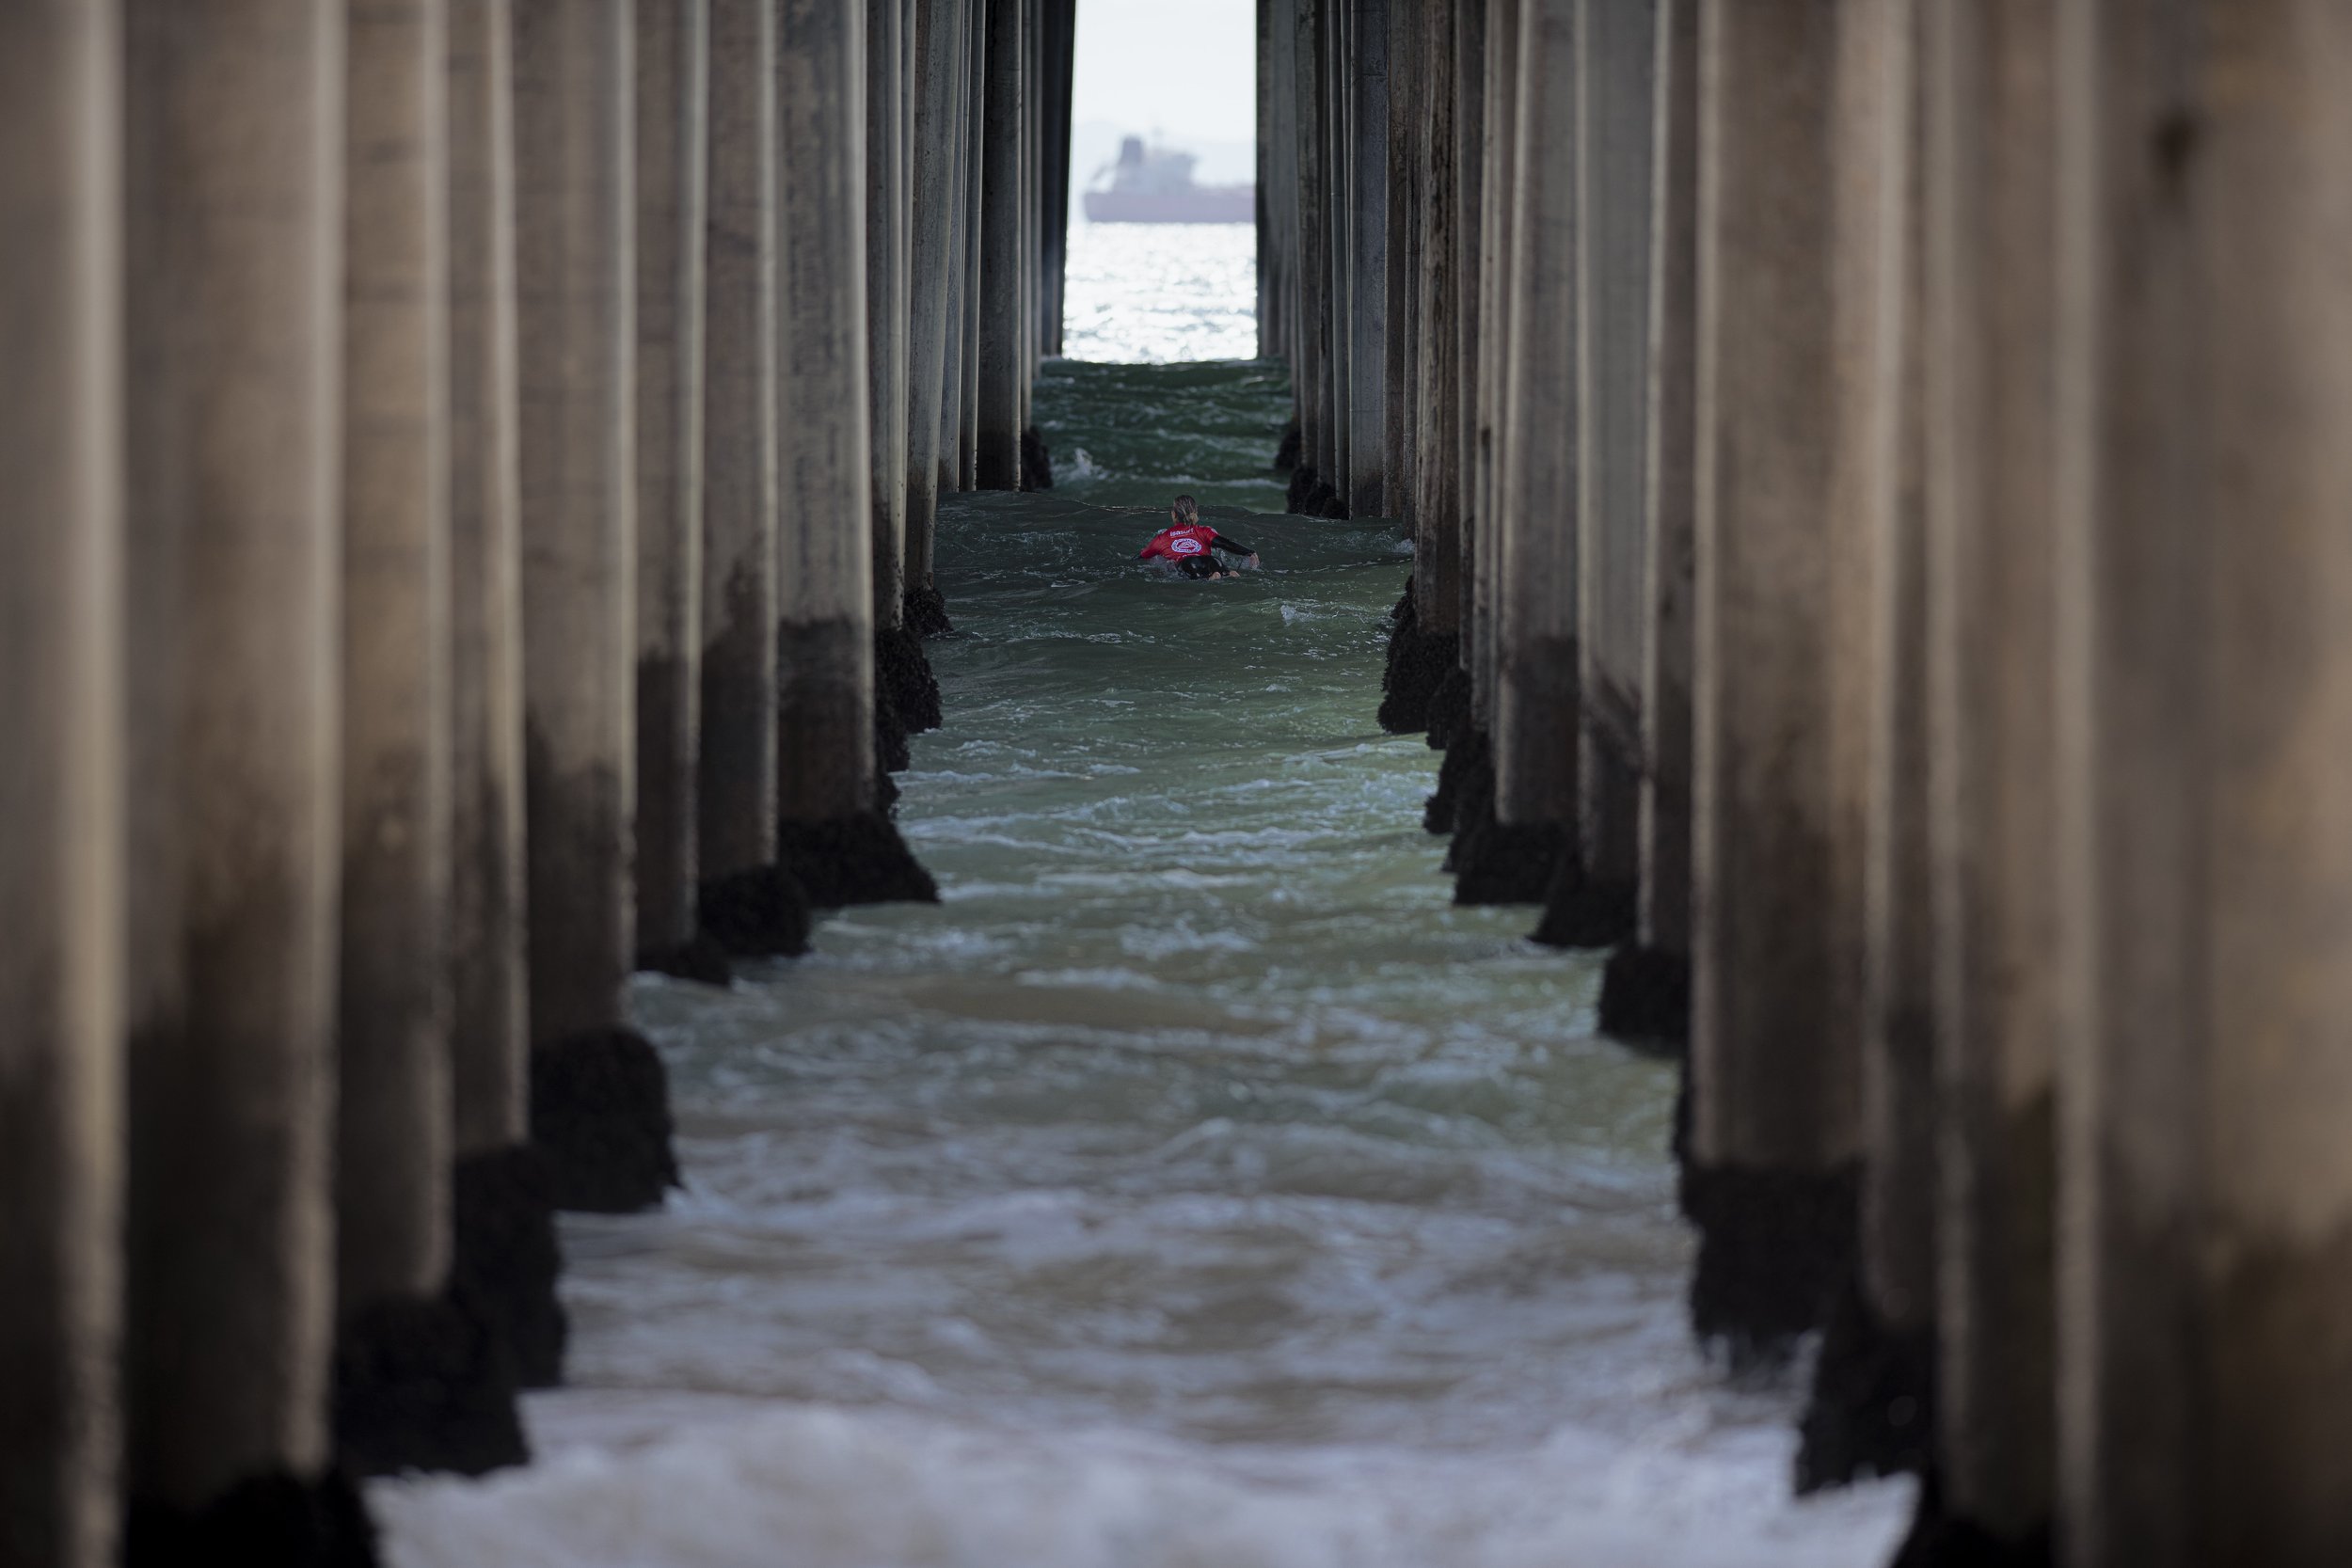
x=1450 y=717
x=903 y=673
x=282 y=1520
x=1583 y=910
x=1417 y=665
x=1311 y=495
x=1939 y=1541
x=505 y=1257
x=423 y=1384
x=891 y=754
x=704 y=960
x=1037 y=461
x=1872 y=1410
x=925 y=612
x=1463 y=760
x=1287 y=452
x=601 y=1110
x=1775 y=1247
x=854 y=860
x=759 y=913
x=1495 y=861
x=1646 y=997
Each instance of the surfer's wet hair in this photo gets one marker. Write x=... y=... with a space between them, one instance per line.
x=1187 y=511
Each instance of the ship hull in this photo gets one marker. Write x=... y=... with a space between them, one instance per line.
x=1208 y=204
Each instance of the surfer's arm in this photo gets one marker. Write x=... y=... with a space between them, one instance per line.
x=1230 y=547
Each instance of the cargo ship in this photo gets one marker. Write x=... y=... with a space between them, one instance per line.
x=1155 y=185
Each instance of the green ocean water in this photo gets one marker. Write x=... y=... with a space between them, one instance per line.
x=1195 y=1184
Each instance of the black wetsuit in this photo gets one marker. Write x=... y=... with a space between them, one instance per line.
x=1207 y=565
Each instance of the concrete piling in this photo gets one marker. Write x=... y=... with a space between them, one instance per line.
x=234 y=158
x=504 y=1255
x=942 y=45
x=1367 y=252
x=748 y=904
x=1872 y=1409
x=1645 y=991
x=672 y=173
x=1773 y=1138
x=1990 y=209
x=1535 y=723
x=830 y=831
x=61 y=857
x=999 y=302
x=420 y=1382
x=2205 y=859
x=1592 y=900
x=599 y=1107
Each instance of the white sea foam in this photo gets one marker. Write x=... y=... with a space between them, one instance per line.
x=831 y=1487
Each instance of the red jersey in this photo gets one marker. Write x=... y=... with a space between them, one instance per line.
x=1179 y=544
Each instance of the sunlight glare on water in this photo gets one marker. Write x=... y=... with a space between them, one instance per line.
x=1197 y=1186
x=1155 y=293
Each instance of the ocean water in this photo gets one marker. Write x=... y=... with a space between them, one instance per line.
x=1195 y=1187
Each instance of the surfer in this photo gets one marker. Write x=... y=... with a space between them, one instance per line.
x=1191 y=545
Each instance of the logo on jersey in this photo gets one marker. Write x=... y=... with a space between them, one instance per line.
x=1183 y=544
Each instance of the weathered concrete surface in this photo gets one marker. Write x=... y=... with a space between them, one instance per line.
x=1872 y=1404
x=672 y=192
x=233 y=150
x=887 y=291
x=1535 y=720
x=1645 y=992
x=576 y=228
x=61 y=860
x=824 y=600
x=488 y=1032
x=737 y=778
x=1616 y=53
x=1775 y=1119
x=1368 y=256
x=1990 y=105
x=2206 y=853
x=941 y=47
x=1003 y=352
x=606 y=1134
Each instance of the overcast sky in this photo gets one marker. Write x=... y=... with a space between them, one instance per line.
x=1185 y=68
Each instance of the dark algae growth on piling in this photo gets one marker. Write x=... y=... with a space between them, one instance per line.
x=1197 y=1181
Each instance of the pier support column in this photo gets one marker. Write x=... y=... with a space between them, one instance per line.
x=1873 y=1396
x=886 y=296
x=1510 y=859
x=1775 y=1117
x=1592 y=901
x=505 y=1257
x=830 y=831
x=967 y=392
x=1990 y=110
x=1367 y=241
x=1425 y=638
x=599 y=1103
x=1408 y=110
x=2205 y=607
x=1645 y=992
x=235 y=154
x=907 y=693
x=750 y=906
x=418 y=1383
x=672 y=175
x=1498 y=137
x=1450 y=715
x=941 y=47
x=1309 y=370
x=998 y=452
x=61 y=862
